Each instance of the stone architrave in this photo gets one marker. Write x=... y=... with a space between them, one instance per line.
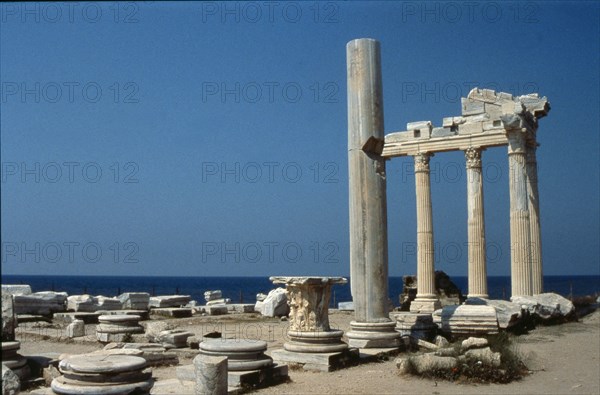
x=520 y=235
x=537 y=278
x=426 y=300
x=475 y=225
x=367 y=194
x=309 y=329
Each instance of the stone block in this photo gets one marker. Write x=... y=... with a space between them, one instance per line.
x=509 y=314
x=75 y=329
x=135 y=300
x=213 y=295
x=11 y=384
x=9 y=321
x=169 y=301
x=16 y=289
x=471 y=107
x=275 y=304
x=442 y=132
x=67 y=318
x=320 y=362
x=347 y=306
x=470 y=128
x=546 y=306
x=173 y=312
x=240 y=308
x=40 y=303
x=469 y=320
x=473 y=342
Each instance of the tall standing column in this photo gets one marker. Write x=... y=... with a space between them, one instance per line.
x=475 y=225
x=368 y=207
x=426 y=300
x=520 y=263
x=537 y=280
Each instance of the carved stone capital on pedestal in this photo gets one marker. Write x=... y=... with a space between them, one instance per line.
x=308 y=298
x=473 y=157
x=422 y=161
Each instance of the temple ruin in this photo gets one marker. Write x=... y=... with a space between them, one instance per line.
x=487 y=119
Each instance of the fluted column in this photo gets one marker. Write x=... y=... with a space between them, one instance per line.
x=476 y=225
x=368 y=207
x=520 y=262
x=426 y=300
x=537 y=280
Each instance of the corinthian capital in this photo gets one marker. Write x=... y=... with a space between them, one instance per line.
x=473 y=157
x=422 y=161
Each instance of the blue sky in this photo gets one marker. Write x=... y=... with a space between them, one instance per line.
x=211 y=139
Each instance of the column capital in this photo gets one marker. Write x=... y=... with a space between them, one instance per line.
x=422 y=161
x=473 y=157
x=516 y=142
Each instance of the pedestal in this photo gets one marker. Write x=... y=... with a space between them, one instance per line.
x=311 y=340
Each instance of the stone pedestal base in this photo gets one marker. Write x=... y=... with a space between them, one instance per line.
x=103 y=374
x=425 y=305
x=14 y=361
x=243 y=355
x=315 y=342
x=320 y=362
x=373 y=335
x=418 y=326
x=116 y=328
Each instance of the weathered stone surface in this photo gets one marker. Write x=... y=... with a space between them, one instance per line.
x=135 y=300
x=403 y=365
x=174 y=312
x=441 y=341
x=81 y=303
x=75 y=329
x=417 y=326
x=9 y=322
x=260 y=297
x=218 y=302
x=103 y=374
x=242 y=354
x=485 y=355
x=241 y=308
x=155 y=328
x=213 y=295
x=40 y=303
x=16 y=289
x=546 y=306
x=348 y=306
x=509 y=314
x=217 y=309
x=426 y=345
x=11 y=385
x=275 y=304
x=154 y=354
x=427 y=362
x=469 y=319
x=67 y=318
x=169 y=300
x=473 y=342
x=175 y=337
x=116 y=328
x=106 y=303
x=50 y=373
x=211 y=374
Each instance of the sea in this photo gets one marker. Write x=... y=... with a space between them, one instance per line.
x=244 y=289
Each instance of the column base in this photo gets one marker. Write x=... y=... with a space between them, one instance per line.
x=425 y=305
x=315 y=342
x=373 y=335
x=480 y=296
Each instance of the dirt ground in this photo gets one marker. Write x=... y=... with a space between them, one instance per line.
x=563 y=359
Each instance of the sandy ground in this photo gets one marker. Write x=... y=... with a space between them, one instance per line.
x=563 y=359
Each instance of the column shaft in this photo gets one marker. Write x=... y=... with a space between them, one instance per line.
x=476 y=226
x=519 y=216
x=425 y=249
x=537 y=284
x=368 y=210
